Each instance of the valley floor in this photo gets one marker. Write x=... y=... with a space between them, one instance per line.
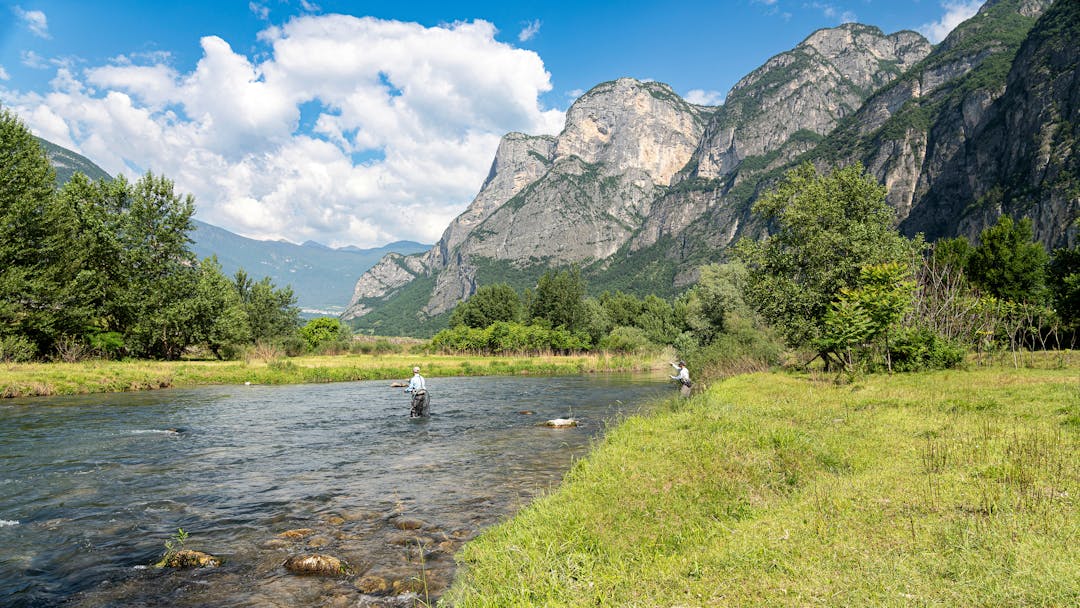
x=954 y=488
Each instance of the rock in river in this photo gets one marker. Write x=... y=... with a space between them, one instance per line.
x=191 y=559
x=316 y=563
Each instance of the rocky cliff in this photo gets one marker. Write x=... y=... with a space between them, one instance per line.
x=573 y=198
x=641 y=187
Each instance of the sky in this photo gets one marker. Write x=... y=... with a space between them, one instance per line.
x=363 y=123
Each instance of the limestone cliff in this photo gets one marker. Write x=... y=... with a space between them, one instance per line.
x=574 y=198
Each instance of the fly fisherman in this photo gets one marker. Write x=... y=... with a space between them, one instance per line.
x=420 y=399
x=682 y=378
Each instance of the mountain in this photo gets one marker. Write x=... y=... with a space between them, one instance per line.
x=641 y=188
x=603 y=187
x=320 y=276
x=67 y=163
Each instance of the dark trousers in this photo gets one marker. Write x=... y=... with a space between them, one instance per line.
x=421 y=404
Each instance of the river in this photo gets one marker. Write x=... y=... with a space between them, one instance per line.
x=91 y=487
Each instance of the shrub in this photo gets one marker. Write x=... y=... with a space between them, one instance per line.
x=922 y=349
x=625 y=340
x=16 y=349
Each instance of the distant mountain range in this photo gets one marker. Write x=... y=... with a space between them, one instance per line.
x=641 y=188
x=321 y=277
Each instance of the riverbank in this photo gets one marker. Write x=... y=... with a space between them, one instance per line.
x=936 y=489
x=44 y=379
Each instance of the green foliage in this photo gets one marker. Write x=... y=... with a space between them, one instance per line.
x=1063 y=280
x=1008 y=263
x=325 y=332
x=866 y=316
x=559 y=299
x=826 y=229
x=625 y=339
x=173 y=545
x=919 y=349
x=26 y=197
x=509 y=338
x=952 y=253
x=272 y=314
x=16 y=349
x=489 y=304
x=717 y=295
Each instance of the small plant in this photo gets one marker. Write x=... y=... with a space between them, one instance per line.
x=173 y=545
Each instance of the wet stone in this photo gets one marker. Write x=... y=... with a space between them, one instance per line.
x=318 y=542
x=317 y=564
x=407 y=523
x=296 y=534
x=373 y=585
x=335 y=520
x=192 y=559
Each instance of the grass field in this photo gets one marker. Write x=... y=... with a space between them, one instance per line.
x=40 y=379
x=956 y=488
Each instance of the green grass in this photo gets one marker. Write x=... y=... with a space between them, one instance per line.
x=42 y=379
x=955 y=488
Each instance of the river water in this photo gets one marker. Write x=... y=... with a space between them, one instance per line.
x=92 y=486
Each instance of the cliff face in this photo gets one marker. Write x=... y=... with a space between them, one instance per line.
x=776 y=113
x=640 y=187
x=574 y=198
x=1013 y=149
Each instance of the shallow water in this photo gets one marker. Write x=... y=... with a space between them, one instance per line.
x=92 y=486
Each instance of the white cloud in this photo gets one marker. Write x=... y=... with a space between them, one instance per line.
x=259 y=10
x=531 y=28
x=955 y=14
x=35 y=21
x=831 y=12
x=4 y=74
x=32 y=60
x=704 y=98
x=351 y=131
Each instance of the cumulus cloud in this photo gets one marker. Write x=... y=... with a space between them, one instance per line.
x=955 y=14
x=349 y=131
x=4 y=74
x=35 y=21
x=531 y=28
x=705 y=98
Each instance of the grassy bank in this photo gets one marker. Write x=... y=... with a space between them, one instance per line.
x=957 y=488
x=39 y=379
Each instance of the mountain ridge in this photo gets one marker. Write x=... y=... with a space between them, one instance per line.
x=907 y=110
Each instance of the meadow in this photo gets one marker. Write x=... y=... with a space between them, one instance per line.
x=948 y=488
x=99 y=376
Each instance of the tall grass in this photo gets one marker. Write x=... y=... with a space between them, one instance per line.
x=268 y=366
x=956 y=488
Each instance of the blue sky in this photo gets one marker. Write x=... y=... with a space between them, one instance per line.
x=366 y=122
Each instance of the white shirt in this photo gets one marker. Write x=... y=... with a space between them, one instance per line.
x=417 y=383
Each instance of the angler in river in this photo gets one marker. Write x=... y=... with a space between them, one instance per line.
x=683 y=378
x=421 y=401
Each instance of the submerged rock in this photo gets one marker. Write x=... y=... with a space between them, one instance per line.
x=191 y=559
x=316 y=563
x=296 y=534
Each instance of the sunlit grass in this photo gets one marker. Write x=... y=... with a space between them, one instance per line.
x=37 y=379
x=955 y=488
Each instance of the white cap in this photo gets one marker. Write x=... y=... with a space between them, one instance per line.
x=416 y=370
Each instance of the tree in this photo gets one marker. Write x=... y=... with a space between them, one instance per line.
x=826 y=228
x=559 y=299
x=217 y=312
x=953 y=253
x=868 y=313
x=27 y=190
x=490 y=303
x=272 y=313
x=325 y=331
x=1063 y=279
x=154 y=236
x=1008 y=263
x=717 y=296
